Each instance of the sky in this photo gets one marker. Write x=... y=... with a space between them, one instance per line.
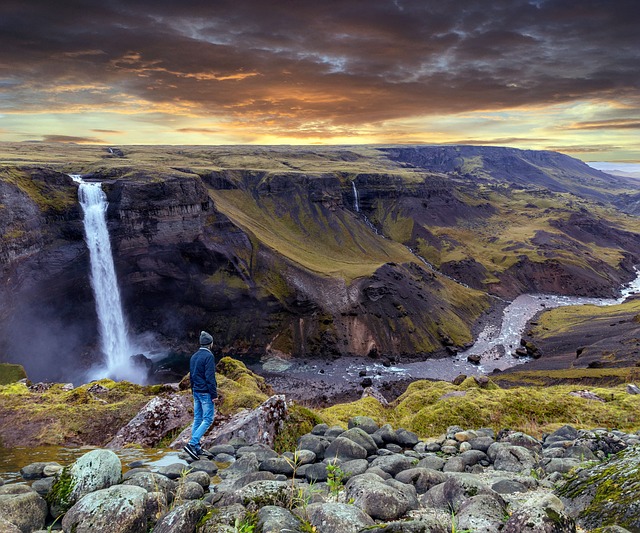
x=558 y=75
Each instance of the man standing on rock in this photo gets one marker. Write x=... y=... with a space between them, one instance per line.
x=204 y=389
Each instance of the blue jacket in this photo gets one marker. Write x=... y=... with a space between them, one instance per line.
x=203 y=372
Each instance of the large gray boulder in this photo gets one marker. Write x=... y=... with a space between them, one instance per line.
x=421 y=478
x=361 y=437
x=333 y=517
x=511 y=458
x=259 y=425
x=274 y=519
x=395 y=463
x=23 y=507
x=345 y=449
x=95 y=470
x=365 y=423
x=117 y=509
x=152 y=482
x=380 y=499
x=483 y=512
x=541 y=513
x=184 y=518
x=159 y=417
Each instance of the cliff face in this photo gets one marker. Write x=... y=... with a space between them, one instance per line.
x=281 y=261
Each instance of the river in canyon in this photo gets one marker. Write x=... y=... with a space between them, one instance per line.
x=496 y=345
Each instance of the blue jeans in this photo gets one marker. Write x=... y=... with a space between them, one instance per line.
x=203 y=413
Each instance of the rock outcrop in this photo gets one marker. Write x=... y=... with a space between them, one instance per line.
x=397 y=488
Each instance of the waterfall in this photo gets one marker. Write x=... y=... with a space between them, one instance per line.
x=356 y=204
x=114 y=340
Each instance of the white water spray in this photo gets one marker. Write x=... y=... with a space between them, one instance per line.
x=356 y=204
x=114 y=340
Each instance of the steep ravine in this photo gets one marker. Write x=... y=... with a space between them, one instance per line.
x=281 y=261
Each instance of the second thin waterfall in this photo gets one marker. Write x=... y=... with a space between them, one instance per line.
x=114 y=339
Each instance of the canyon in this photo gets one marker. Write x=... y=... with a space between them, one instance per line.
x=392 y=253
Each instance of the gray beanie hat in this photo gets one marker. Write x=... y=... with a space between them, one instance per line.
x=205 y=338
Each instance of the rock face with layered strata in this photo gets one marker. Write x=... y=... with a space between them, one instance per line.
x=281 y=261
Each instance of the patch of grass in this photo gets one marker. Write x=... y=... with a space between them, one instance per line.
x=331 y=243
x=533 y=409
x=560 y=320
x=339 y=415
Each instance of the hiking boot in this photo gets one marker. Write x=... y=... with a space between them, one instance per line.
x=191 y=451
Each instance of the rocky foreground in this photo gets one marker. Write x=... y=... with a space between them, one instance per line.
x=364 y=478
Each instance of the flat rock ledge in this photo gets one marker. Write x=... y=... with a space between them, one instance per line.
x=363 y=478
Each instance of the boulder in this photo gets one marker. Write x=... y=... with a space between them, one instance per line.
x=365 y=423
x=117 y=509
x=278 y=465
x=345 y=449
x=483 y=512
x=259 y=425
x=274 y=519
x=541 y=513
x=185 y=517
x=152 y=482
x=511 y=458
x=22 y=507
x=361 y=437
x=261 y=451
x=381 y=500
x=95 y=470
x=459 y=487
x=158 y=418
x=421 y=478
x=189 y=490
x=223 y=520
x=394 y=463
x=333 y=517
x=37 y=470
x=314 y=443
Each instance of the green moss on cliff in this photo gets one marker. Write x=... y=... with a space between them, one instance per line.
x=10 y=373
x=612 y=488
x=46 y=197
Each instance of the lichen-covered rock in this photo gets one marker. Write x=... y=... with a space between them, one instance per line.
x=182 y=518
x=159 y=417
x=98 y=469
x=421 y=478
x=332 y=517
x=117 y=509
x=259 y=425
x=607 y=493
x=541 y=513
x=345 y=449
x=152 y=482
x=483 y=512
x=274 y=519
x=23 y=507
x=381 y=500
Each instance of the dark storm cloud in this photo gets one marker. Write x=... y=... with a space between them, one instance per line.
x=281 y=65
